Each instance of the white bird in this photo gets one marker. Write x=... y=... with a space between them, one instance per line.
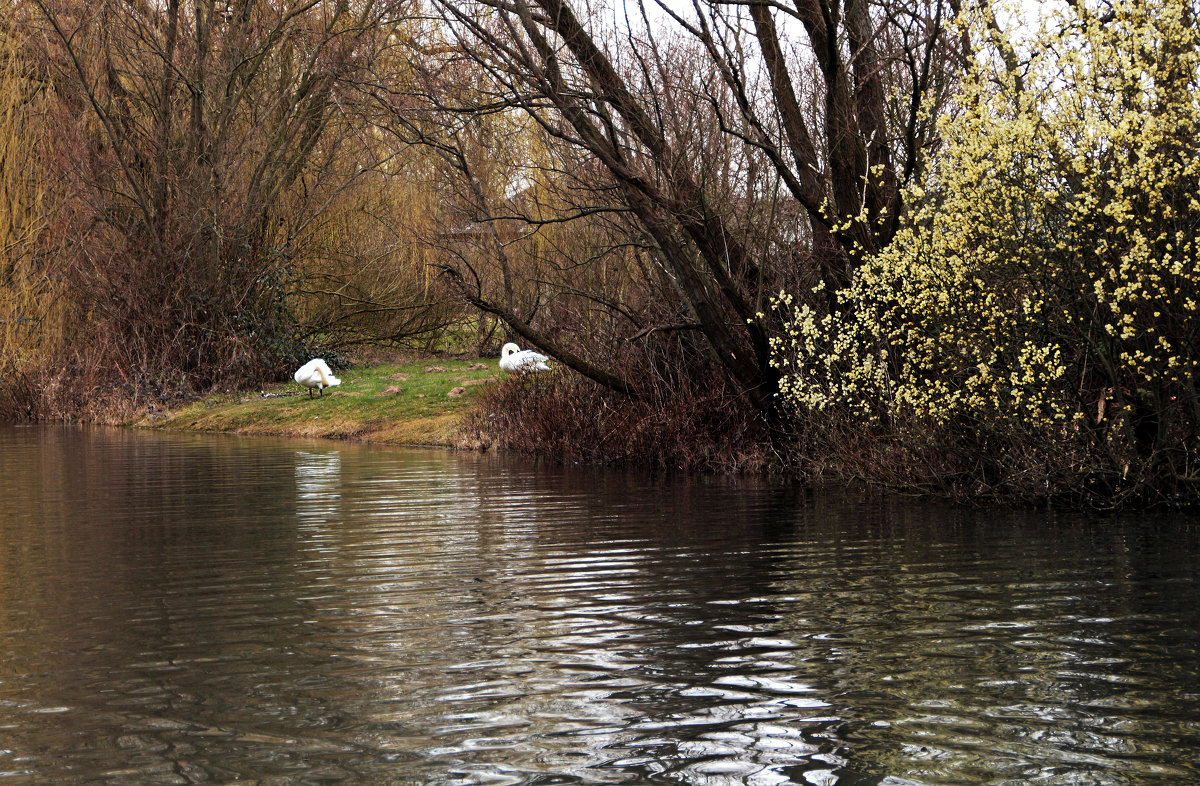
x=515 y=359
x=316 y=374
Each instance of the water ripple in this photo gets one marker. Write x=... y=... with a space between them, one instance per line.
x=194 y=609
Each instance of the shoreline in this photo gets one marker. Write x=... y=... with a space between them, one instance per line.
x=414 y=403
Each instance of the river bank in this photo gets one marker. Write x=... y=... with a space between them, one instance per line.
x=418 y=402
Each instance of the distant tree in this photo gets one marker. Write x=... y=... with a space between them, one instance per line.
x=1033 y=329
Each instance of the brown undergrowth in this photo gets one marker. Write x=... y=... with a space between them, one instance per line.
x=567 y=418
x=987 y=464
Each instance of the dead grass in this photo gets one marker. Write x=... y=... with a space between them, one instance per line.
x=368 y=406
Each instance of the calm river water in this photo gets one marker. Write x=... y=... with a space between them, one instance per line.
x=190 y=609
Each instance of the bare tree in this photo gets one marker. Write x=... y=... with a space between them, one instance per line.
x=744 y=145
x=198 y=141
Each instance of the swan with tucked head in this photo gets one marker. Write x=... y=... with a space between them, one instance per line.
x=525 y=361
x=316 y=374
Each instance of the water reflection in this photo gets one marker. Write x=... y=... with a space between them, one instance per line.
x=181 y=609
x=318 y=484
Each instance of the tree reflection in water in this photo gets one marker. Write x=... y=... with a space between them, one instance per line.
x=191 y=609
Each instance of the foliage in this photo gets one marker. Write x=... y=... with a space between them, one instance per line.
x=1036 y=320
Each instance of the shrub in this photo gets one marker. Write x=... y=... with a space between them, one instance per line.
x=1036 y=319
x=568 y=418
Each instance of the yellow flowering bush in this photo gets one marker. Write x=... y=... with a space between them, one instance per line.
x=1045 y=288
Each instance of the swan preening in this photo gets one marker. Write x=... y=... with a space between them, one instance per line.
x=513 y=358
x=316 y=374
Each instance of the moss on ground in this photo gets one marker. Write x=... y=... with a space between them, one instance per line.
x=413 y=403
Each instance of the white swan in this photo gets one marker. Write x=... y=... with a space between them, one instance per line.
x=515 y=359
x=316 y=374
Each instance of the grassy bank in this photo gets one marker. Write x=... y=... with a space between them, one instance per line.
x=413 y=403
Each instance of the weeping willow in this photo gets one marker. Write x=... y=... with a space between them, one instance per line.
x=31 y=302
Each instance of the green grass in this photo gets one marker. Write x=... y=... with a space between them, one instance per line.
x=366 y=406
